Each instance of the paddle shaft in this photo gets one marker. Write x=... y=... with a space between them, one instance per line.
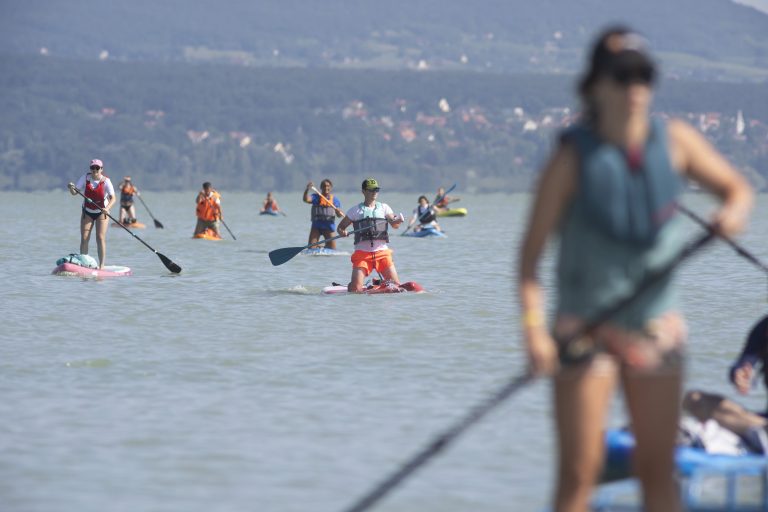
x=230 y=231
x=170 y=265
x=158 y=224
x=741 y=251
x=480 y=411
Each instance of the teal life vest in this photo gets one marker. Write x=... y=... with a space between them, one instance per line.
x=377 y=226
x=628 y=203
x=619 y=225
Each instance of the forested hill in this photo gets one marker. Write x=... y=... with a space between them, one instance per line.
x=175 y=125
x=704 y=39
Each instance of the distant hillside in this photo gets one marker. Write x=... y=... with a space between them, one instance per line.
x=702 y=39
x=175 y=125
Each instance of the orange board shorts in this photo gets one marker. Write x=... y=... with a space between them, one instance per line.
x=368 y=261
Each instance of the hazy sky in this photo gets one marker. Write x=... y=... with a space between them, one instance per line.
x=757 y=4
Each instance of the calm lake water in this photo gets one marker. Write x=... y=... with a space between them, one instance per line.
x=237 y=386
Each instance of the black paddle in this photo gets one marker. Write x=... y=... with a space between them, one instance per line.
x=441 y=441
x=280 y=256
x=170 y=265
x=736 y=247
x=158 y=224
x=230 y=231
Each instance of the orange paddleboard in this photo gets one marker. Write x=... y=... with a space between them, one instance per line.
x=135 y=225
x=208 y=234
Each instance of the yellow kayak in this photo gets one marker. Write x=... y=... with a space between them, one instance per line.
x=452 y=212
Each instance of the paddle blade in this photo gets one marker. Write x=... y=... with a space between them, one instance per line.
x=280 y=256
x=169 y=264
x=158 y=224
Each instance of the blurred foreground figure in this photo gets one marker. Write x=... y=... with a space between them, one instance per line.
x=609 y=192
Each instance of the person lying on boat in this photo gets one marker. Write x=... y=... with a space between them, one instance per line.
x=425 y=214
x=442 y=201
x=751 y=427
x=269 y=205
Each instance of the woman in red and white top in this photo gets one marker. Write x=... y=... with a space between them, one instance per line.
x=100 y=194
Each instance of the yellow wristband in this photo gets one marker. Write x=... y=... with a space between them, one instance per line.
x=533 y=319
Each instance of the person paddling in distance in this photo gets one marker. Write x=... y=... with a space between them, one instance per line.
x=270 y=204
x=442 y=201
x=127 y=208
x=425 y=214
x=208 y=210
x=100 y=193
x=325 y=209
x=614 y=228
x=371 y=249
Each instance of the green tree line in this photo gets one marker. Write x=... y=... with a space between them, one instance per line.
x=173 y=126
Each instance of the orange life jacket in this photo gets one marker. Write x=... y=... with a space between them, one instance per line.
x=208 y=209
x=127 y=192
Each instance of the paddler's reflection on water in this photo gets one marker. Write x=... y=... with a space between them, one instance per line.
x=370 y=221
x=609 y=192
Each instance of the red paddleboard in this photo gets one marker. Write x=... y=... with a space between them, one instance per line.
x=70 y=269
x=409 y=286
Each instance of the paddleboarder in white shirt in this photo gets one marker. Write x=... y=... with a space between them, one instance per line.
x=372 y=218
x=100 y=194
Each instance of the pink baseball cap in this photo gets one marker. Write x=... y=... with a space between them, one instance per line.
x=98 y=162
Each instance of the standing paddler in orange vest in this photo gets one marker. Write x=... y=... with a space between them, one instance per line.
x=127 y=208
x=208 y=210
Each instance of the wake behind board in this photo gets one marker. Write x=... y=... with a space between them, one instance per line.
x=70 y=269
x=409 y=286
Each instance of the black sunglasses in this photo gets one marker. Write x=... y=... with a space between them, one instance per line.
x=95 y=167
x=373 y=189
x=633 y=75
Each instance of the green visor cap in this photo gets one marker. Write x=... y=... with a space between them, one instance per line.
x=370 y=184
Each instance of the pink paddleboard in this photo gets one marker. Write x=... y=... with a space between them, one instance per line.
x=410 y=286
x=70 y=269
